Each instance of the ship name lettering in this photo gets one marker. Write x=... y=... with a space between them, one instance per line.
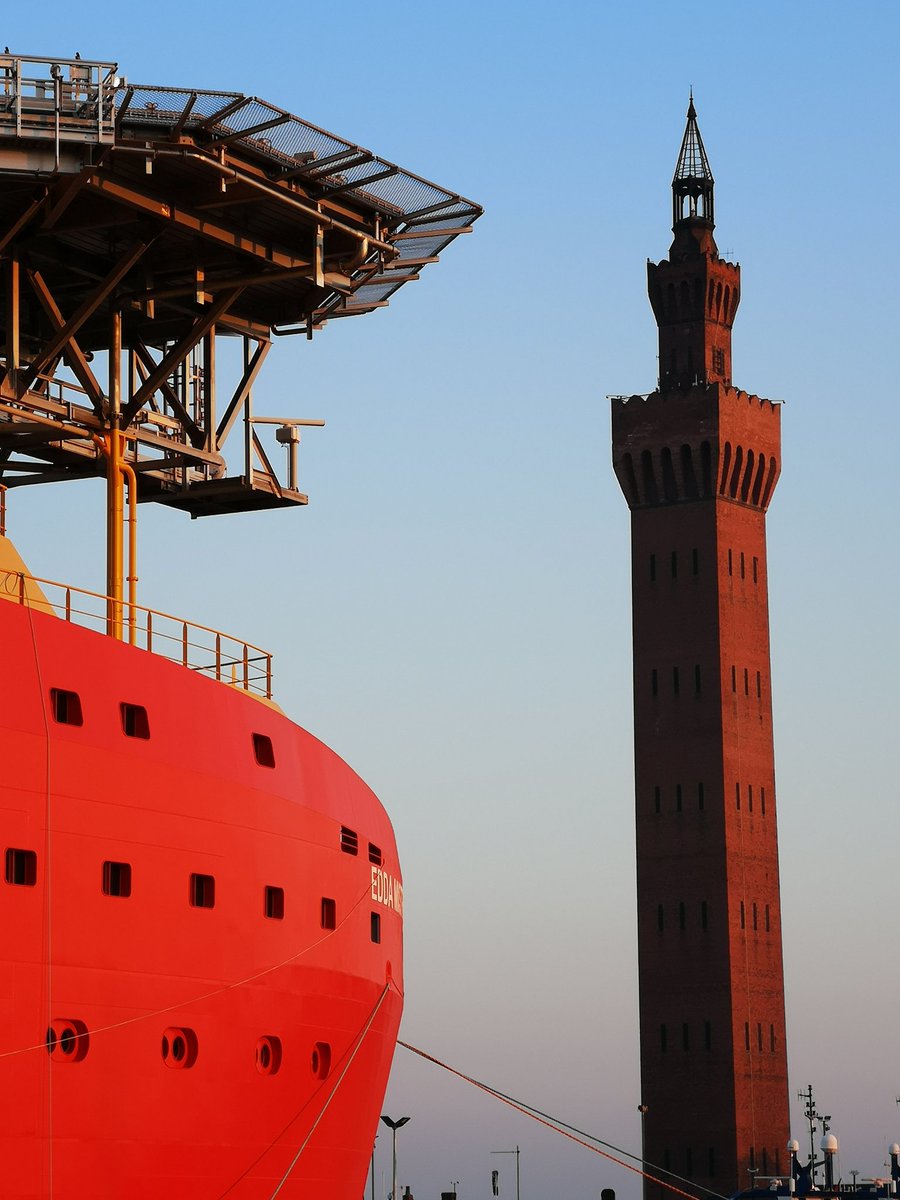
x=387 y=890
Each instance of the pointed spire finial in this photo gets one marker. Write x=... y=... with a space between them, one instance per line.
x=692 y=185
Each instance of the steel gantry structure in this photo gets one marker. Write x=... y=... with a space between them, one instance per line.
x=139 y=225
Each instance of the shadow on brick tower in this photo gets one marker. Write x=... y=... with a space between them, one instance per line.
x=698 y=461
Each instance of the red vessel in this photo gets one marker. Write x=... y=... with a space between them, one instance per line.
x=201 y=978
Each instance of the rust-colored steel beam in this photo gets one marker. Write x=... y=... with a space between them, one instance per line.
x=72 y=352
x=85 y=310
x=171 y=360
x=251 y=371
x=145 y=361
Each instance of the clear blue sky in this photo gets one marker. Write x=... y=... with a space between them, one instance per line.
x=452 y=612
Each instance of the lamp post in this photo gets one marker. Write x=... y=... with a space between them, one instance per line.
x=394 y=1126
x=516 y=1153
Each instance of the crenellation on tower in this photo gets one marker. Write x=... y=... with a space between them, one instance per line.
x=698 y=461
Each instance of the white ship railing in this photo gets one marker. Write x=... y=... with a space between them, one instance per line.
x=199 y=648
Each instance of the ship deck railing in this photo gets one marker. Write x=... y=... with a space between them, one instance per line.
x=199 y=648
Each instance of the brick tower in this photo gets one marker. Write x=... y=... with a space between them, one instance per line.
x=697 y=461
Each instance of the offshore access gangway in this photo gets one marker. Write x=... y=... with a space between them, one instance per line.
x=141 y=224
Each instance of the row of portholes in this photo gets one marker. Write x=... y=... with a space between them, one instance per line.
x=66 y=709
x=68 y=1041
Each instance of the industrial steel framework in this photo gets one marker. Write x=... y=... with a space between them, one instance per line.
x=139 y=225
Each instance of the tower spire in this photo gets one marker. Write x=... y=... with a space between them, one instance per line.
x=692 y=184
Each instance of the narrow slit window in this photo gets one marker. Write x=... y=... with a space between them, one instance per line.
x=660 y=918
x=755 y=569
x=273 y=903
x=701 y=800
x=66 y=707
x=772 y=1038
x=375 y=927
x=685 y=1036
x=328 y=913
x=762 y=801
x=21 y=867
x=674 y=564
x=675 y=680
x=734 y=679
x=768 y=920
x=704 y=915
x=203 y=891
x=758 y=686
x=695 y=561
x=755 y=916
x=697 y=681
x=657 y=799
x=743 y=575
x=375 y=855
x=737 y=795
x=729 y=563
x=707 y=1035
x=654 y=682
x=749 y=797
x=759 y=1035
x=746 y=1035
x=678 y=797
x=743 y=916
x=682 y=915
x=653 y=568
x=349 y=840
x=663 y=1038
x=263 y=750
x=746 y=682
x=116 y=880
x=135 y=722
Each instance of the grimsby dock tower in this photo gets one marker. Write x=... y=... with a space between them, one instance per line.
x=698 y=461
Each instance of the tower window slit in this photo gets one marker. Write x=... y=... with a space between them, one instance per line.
x=675 y=680
x=657 y=799
x=704 y=915
x=695 y=561
x=755 y=922
x=752 y=1159
x=742 y=565
x=734 y=679
x=743 y=916
x=730 y=564
x=697 y=687
x=685 y=1036
x=674 y=564
x=747 y=1035
x=653 y=568
x=755 y=569
x=746 y=681
x=737 y=795
x=700 y=797
x=762 y=800
x=750 y=797
x=707 y=1035
x=758 y=685
x=654 y=682
x=660 y=918
x=759 y=1035
x=682 y=921
x=678 y=797
x=765 y=1160
x=768 y=920
x=772 y=1038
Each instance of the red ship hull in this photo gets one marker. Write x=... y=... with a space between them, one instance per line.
x=160 y=1036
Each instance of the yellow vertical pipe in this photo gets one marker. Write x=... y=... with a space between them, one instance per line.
x=114 y=484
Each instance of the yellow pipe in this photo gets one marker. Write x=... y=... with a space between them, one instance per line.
x=117 y=472
x=129 y=474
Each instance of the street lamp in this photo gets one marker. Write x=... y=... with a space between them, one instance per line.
x=516 y=1153
x=394 y=1126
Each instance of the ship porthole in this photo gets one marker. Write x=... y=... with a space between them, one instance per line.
x=268 y=1055
x=321 y=1060
x=67 y=1040
x=179 y=1048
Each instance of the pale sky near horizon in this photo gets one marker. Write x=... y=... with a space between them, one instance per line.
x=452 y=612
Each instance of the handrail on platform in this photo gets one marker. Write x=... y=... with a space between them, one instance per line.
x=199 y=648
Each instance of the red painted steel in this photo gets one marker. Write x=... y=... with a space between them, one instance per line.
x=107 y=1115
